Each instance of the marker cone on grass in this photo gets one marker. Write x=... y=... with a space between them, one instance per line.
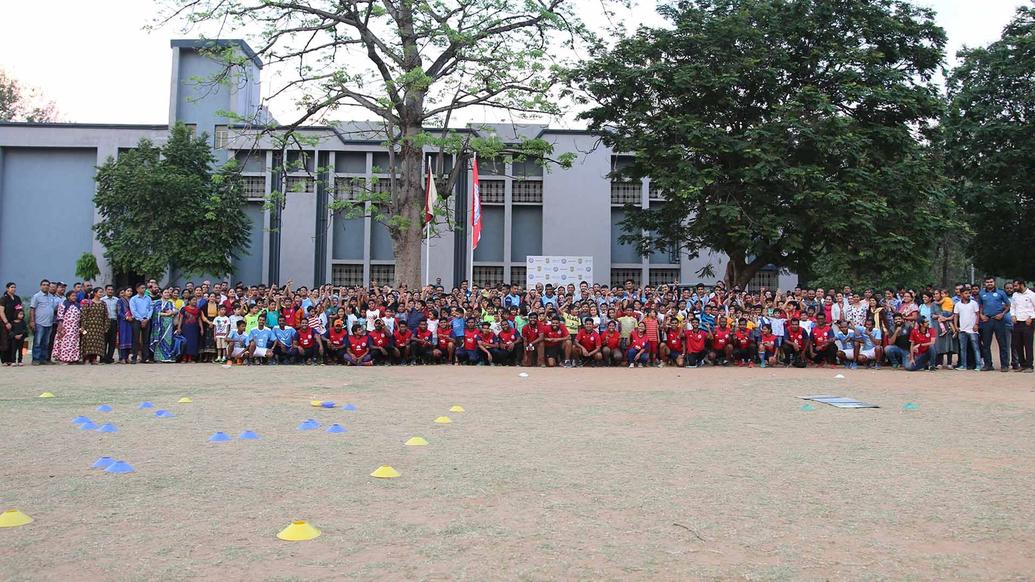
x=456 y=408
x=119 y=467
x=385 y=472
x=443 y=420
x=80 y=420
x=46 y=395
x=336 y=428
x=184 y=400
x=14 y=518
x=102 y=463
x=144 y=405
x=349 y=407
x=416 y=442
x=249 y=435
x=309 y=424
x=88 y=425
x=219 y=437
x=164 y=414
x=104 y=408
x=911 y=406
x=298 y=531
x=807 y=407
x=107 y=427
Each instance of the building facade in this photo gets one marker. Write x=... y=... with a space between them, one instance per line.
x=47 y=187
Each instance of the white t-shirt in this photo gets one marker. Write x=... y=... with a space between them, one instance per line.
x=777 y=323
x=222 y=324
x=233 y=319
x=968 y=313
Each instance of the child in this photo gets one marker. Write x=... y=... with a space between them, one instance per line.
x=18 y=333
x=222 y=328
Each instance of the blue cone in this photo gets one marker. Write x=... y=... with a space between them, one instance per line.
x=80 y=420
x=249 y=435
x=911 y=406
x=309 y=425
x=146 y=405
x=349 y=407
x=119 y=467
x=88 y=425
x=219 y=437
x=327 y=404
x=164 y=414
x=104 y=408
x=102 y=463
x=336 y=428
x=107 y=427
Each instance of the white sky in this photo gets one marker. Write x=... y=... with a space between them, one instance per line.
x=98 y=64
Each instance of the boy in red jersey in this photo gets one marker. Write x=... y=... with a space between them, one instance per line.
x=822 y=350
x=487 y=344
x=558 y=343
x=337 y=343
x=423 y=343
x=533 y=339
x=695 y=344
x=638 y=354
x=921 y=339
x=795 y=344
x=587 y=344
x=379 y=344
x=743 y=348
x=767 y=346
x=468 y=352
x=509 y=348
x=672 y=349
x=444 y=345
x=308 y=347
x=611 y=343
x=402 y=344
x=722 y=350
x=358 y=353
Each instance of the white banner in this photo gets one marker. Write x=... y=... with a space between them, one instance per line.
x=558 y=270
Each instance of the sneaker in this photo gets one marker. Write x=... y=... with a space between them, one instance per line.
x=751 y=364
x=632 y=365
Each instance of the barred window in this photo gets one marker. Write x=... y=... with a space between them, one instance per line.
x=349 y=188
x=383 y=274
x=663 y=277
x=485 y=276
x=492 y=191
x=255 y=186
x=346 y=275
x=518 y=276
x=193 y=129
x=654 y=192
x=222 y=137
x=768 y=278
x=301 y=184
x=619 y=276
x=623 y=193
x=529 y=191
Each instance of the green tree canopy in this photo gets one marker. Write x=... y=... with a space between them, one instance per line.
x=165 y=209
x=779 y=131
x=990 y=147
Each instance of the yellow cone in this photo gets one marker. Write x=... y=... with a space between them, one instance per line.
x=185 y=400
x=385 y=472
x=443 y=420
x=416 y=442
x=46 y=395
x=298 y=531
x=13 y=518
x=316 y=402
x=456 y=408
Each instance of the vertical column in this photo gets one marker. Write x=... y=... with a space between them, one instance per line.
x=266 y=218
x=367 y=221
x=645 y=203
x=107 y=274
x=508 y=214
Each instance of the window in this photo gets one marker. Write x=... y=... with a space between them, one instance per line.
x=222 y=137
x=492 y=191
x=382 y=275
x=528 y=191
x=488 y=276
x=623 y=193
x=254 y=186
x=347 y=275
x=299 y=161
x=350 y=162
x=301 y=184
x=663 y=277
x=619 y=276
x=767 y=277
x=193 y=129
x=349 y=188
x=518 y=275
x=654 y=193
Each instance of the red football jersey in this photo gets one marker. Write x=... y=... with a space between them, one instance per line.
x=508 y=336
x=471 y=339
x=560 y=332
x=358 y=345
x=674 y=341
x=589 y=340
x=532 y=332
x=403 y=337
x=379 y=338
x=305 y=337
x=720 y=338
x=611 y=339
x=337 y=337
x=796 y=336
x=424 y=335
x=637 y=341
x=696 y=340
x=743 y=338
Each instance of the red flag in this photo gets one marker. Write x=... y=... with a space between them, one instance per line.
x=430 y=197
x=476 y=209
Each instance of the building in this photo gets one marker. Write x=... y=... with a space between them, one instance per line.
x=47 y=186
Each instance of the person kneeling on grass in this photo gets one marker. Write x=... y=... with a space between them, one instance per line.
x=558 y=343
x=611 y=344
x=767 y=346
x=309 y=347
x=380 y=343
x=534 y=341
x=869 y=345
x=921 y=339
x=672 y=348
x=402 y=348
x=638 y=354
x=423 y=344
x=487 y=344
x=509 y=346
x=795 y=343
x=285 y=349
x=237 y=343
x=260 y=342
x=588 y=346
x=337 y=342
x=358 y=352
x=695 y=345
x=743 y=347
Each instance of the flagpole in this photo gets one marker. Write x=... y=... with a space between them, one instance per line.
x=427 y=235
x=470 y=238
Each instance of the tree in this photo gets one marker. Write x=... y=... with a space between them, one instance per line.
x=779 y=131
x=990 y=147
x=410 y=65
x=19 y=104
x=165 y=210
x=86 y=267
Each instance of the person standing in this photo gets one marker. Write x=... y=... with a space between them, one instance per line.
x=965 y=316
x=10 y=306
x=67 y=345
x=1022 y=307
x=125 y=322
x=141 y=306
x=111 y=304
x=994 y=307
x=95 y=326
x=41 y=323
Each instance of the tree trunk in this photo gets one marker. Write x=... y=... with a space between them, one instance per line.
x=409 y=210
x=739 y=272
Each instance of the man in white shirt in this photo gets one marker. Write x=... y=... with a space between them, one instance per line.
x=965 y=313
x=1022 y=309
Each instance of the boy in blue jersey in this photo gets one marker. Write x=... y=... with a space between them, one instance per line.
x=261 y=341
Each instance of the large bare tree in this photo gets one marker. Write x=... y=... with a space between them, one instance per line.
x=411 y=64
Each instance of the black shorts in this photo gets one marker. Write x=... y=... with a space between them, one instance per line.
x=555 y=351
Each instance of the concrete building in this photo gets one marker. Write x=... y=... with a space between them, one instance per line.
x=47 y=186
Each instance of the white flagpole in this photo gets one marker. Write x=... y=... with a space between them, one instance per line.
x=470 y=231
x=427 y=236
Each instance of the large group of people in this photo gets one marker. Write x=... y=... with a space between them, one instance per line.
x=567 y=326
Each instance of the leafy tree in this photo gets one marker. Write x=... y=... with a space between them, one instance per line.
x=166 y=210
x=779 y=131
x=409 y=65
x=990 y=147
x=86 y=267
x=19 y=104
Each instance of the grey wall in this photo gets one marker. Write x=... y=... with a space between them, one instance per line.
x=198 y=101
x=46 y=213
x=527 y=232
x=381 y=246
x=348 y=238
x=621 y=253
x=249 y=268
x=298 y=243
x=490 y=245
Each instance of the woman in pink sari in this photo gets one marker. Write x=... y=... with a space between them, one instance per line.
x=66 y=346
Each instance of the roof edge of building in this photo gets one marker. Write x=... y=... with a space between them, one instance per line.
x=208 y=43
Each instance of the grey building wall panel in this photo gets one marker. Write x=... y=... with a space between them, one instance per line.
x=298 y=245
x=198 y=100
x=490 y=246
x=526 y=233
x=381 y=246
x=248 y=268
x=46 y=212
x=348 y=238
x=621 y=252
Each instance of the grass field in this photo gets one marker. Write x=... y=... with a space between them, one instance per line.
x=568 y=474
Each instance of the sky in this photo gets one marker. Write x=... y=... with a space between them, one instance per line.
x=99 y=64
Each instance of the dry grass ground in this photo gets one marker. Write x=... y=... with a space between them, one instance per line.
x=566 y=474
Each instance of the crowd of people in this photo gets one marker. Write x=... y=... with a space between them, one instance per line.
x=568 y=326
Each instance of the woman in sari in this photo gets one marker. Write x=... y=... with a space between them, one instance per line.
x=162 y=325
x=125 y=325
x=66 y=347
x=189 y=327
x=209 y=312
x=95 y=326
